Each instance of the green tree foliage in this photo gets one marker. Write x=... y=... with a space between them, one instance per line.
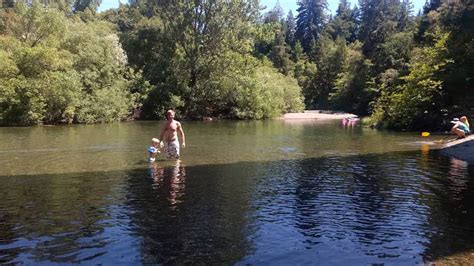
x=268 y=95
x=212 y=41
x=304 y=70
x=425 y=20
x=380 y=20
x=275 y=15
x=330 y=57
x=68 y=7
x=457 y=17
x=62 y=63
x=344 y=24
x=352 y=89
x=395 y=52
x=416 y=104
x=310 y=22
x=198 y=55
x=290 y=30
x=150 y=49
x=264 y=37
x=280 y=54
x=404 y=17
x=56 y=69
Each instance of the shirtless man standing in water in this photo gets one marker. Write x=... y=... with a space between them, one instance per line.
x=169 y=136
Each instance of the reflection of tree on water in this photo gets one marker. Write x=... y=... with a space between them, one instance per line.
x=385 y=207
x=169 y=180
x=182 y=220
x=367 y=200
x=457 y=176
x=55 y=218
x=451 y=211
x=8 y=236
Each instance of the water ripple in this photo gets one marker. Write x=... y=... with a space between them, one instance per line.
x=292 y=202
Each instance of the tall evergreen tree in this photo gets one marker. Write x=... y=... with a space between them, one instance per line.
x=310 y=22
x=405 y=15
x=351 y=91
x=344 y=23
x=82 y=5
x=380 y=20
x=330 y=57
x=7 y=3
x=274 y=15
x=280 y=54
x=430 y=5
x=290 y=28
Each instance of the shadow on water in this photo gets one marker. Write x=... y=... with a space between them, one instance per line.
x=397 y=208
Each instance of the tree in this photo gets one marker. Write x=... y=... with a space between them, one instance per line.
x=351 y=91
x=275 y=15
x=211 y=40
x=457 y=17
x=310 y=22
x=405 y=15
x=344 y=24
x=280 y=54
x=290 y=28
x=61 y=69
x=424 y=24
x=330 y=58
x=379 y=19
x=417 y=103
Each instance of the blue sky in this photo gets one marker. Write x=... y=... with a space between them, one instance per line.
x=287 y=5
x=332 y=5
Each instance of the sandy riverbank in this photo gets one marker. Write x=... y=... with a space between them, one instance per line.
x=317 y=115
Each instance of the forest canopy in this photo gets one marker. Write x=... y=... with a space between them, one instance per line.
x=62 y=62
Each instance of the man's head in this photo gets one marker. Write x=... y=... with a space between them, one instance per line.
x=170 y=114
x=155 y=142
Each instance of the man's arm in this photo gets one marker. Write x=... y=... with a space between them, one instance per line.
x=162 y=134
x=181 y=132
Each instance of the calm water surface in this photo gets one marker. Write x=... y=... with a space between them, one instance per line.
x=259 y=193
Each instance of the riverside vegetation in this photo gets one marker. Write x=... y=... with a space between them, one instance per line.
x=62 y=62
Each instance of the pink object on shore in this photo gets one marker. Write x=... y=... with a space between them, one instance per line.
x=345 y=121
x=350 y=121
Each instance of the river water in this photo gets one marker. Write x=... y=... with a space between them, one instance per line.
x=258 y=193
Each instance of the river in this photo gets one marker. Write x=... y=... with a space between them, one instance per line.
x=249 y=192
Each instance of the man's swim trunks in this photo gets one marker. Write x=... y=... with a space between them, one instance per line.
x=171 y=149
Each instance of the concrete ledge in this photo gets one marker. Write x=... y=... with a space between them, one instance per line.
x=462 y=149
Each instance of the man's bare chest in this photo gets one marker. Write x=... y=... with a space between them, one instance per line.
x=172 y=127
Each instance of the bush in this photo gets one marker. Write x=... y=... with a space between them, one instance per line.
x=268 y=95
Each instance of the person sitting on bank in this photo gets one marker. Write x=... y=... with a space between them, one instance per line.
x=461 y=127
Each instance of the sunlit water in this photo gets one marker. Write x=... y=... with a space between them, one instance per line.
x=260 y=193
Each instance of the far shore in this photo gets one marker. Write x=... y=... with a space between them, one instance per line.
x=317 y=115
